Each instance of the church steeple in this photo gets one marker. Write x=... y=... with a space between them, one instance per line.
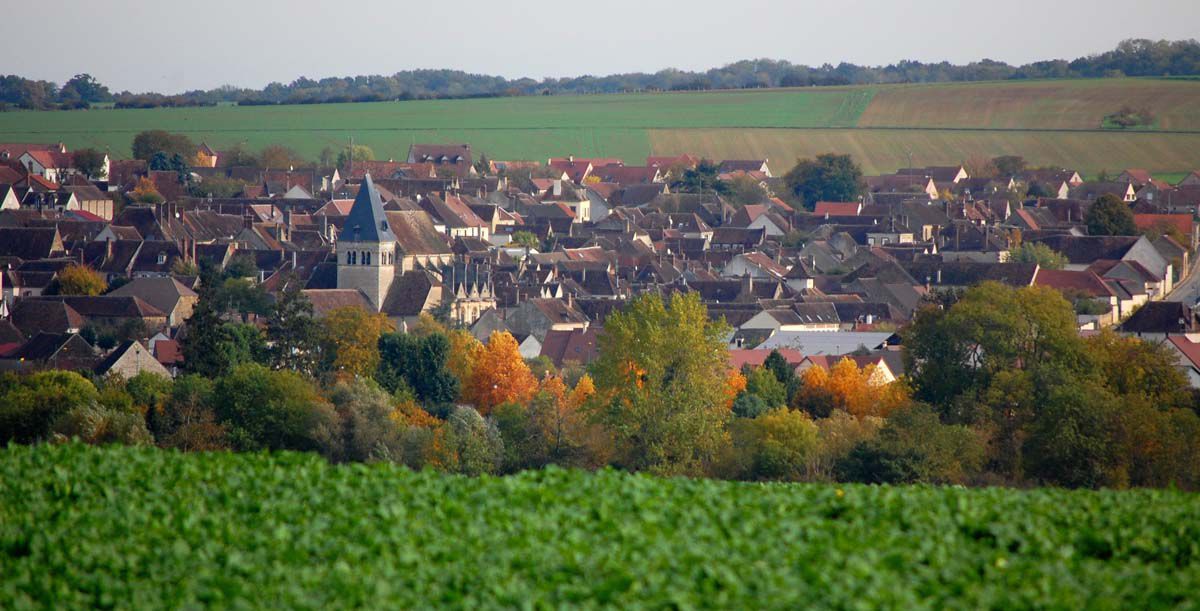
x=366 y=248
x=367 y=221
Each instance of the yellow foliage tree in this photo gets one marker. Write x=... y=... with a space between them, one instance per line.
x=734 y=385
x=351 y=340
x=847 y=387
x=80 y=280
x=500 y=375
x=583 y=392
x=146 y=193
x=464 y=351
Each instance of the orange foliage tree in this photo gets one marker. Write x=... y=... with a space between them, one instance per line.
x=464 y=351
x=847 y=387
x=499 y=375
x=146 y=193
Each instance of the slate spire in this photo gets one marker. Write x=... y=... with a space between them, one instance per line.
x=367 y=221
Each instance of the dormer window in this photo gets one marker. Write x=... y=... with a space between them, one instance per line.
x=162 y=258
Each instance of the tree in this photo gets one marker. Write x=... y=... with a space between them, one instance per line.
x=526 y=239
x=275 y=410
x=468 y=444
x=356 y=153
x=1008 y=166
x=350 y=341
x=662 y=378
x=146 y=193
x=371 y=428
x=78 y=279
x=30 y=405
x=1130 y=366
x=762 y=383
x=147 y=143
x=418 y=362
x=745 y=190
x=85 y=88
x=848 y=388
x=778 y=445
x=292 y=332
x=500 y=375
x=188 y=421
x=701 y=179
x=914 y=446
x=1036 y=252
x=90 y=163
x=784 y=372
x=211 y=346
x=279 y=157
x=217 y=186
x=1070 y=441
x=830 y=177
x=236 y=156
x=1108 y=215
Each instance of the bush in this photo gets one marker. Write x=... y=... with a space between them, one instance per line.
x=276 y=410
x=29 y=405
x=914 y=446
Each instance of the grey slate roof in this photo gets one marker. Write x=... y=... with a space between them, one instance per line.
x=367 y=221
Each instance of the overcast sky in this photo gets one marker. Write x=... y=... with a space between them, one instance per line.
x=170 y=45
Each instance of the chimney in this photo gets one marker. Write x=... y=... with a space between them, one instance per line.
x=939 y=275
x=108 y=249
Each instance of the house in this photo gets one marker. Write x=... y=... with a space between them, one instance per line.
x=1077 y=286
x=1158 y=320
x=820 y=317
x=942 y=174
x=66 y=351
x=164 y=293
x=447 y=159
x=578 y=346
x=754 y=265
x=826 y=343
x=828 y=209
x=130 y=359
x=1084 y=251
x=206 y=157
x=1094 y=190
x=1184 y=225
x=30 y=243
x=532 y=317
x=87 y=198
x=729 y=166
x=1188 y=352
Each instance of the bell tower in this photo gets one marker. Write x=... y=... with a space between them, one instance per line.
x=366 y=248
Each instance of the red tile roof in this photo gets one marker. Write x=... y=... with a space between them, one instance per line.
x=756 y=357
x=1086 y=282
x=1189 y=349
x=1182 y=222
x=837 y=208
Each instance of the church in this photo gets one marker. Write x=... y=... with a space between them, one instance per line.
x=405 y=282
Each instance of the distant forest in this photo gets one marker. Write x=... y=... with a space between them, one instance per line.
x=1129 y=58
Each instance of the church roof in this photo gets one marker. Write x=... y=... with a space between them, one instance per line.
x=367 y=221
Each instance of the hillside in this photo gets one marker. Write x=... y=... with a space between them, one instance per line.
x=85 y=527
x=1049 y=122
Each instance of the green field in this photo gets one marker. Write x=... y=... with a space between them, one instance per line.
x=85 y=527
x=1049 y=122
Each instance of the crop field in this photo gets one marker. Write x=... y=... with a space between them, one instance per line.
x=1049 y=122
x=885 y=150
x=1061 y=104
x=85 y=527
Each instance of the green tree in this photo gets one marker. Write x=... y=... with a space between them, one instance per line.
x=784 y=372
x=276 y=410
x=914 y=446
x=147 y=143
x=358 y=152
x=526 y=239
x=1070 y=441
x=701 y=179
x=762 y=382
x=469 y=444
x=1009 y=165
x=1036 y=252
x=1108 y=215
x=90 y=163
x=85 y=88
x=418 y=363
x=829 y=177
x=662 y=372
x=30 y=405
x=291 y=331
x=780 y=444
x=370 y=432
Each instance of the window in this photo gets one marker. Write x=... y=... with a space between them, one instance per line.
x=366 y=257
x=162 y=258
x=351 y=258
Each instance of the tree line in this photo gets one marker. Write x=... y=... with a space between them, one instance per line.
x=1134 y=57
x=1000 y=390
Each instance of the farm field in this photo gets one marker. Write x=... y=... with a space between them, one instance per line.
x=884 y=150
x=1049 y=122
x=85 y=527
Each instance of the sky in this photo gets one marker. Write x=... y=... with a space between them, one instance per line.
x=171 y=46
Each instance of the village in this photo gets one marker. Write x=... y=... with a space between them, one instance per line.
x=546 y=251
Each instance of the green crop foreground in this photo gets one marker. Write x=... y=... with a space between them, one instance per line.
x=146 y=528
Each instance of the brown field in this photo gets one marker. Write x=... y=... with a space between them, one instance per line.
x=1065 y=104
x=880 y=151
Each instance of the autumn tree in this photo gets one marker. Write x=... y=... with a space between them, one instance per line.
x=278 y=156
x=358 y=152
x=350 y=341
x=145 y=192
x=845 y=386
x=662 y=379
x=500 y=375
x=78 y=279
x=464 y=352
